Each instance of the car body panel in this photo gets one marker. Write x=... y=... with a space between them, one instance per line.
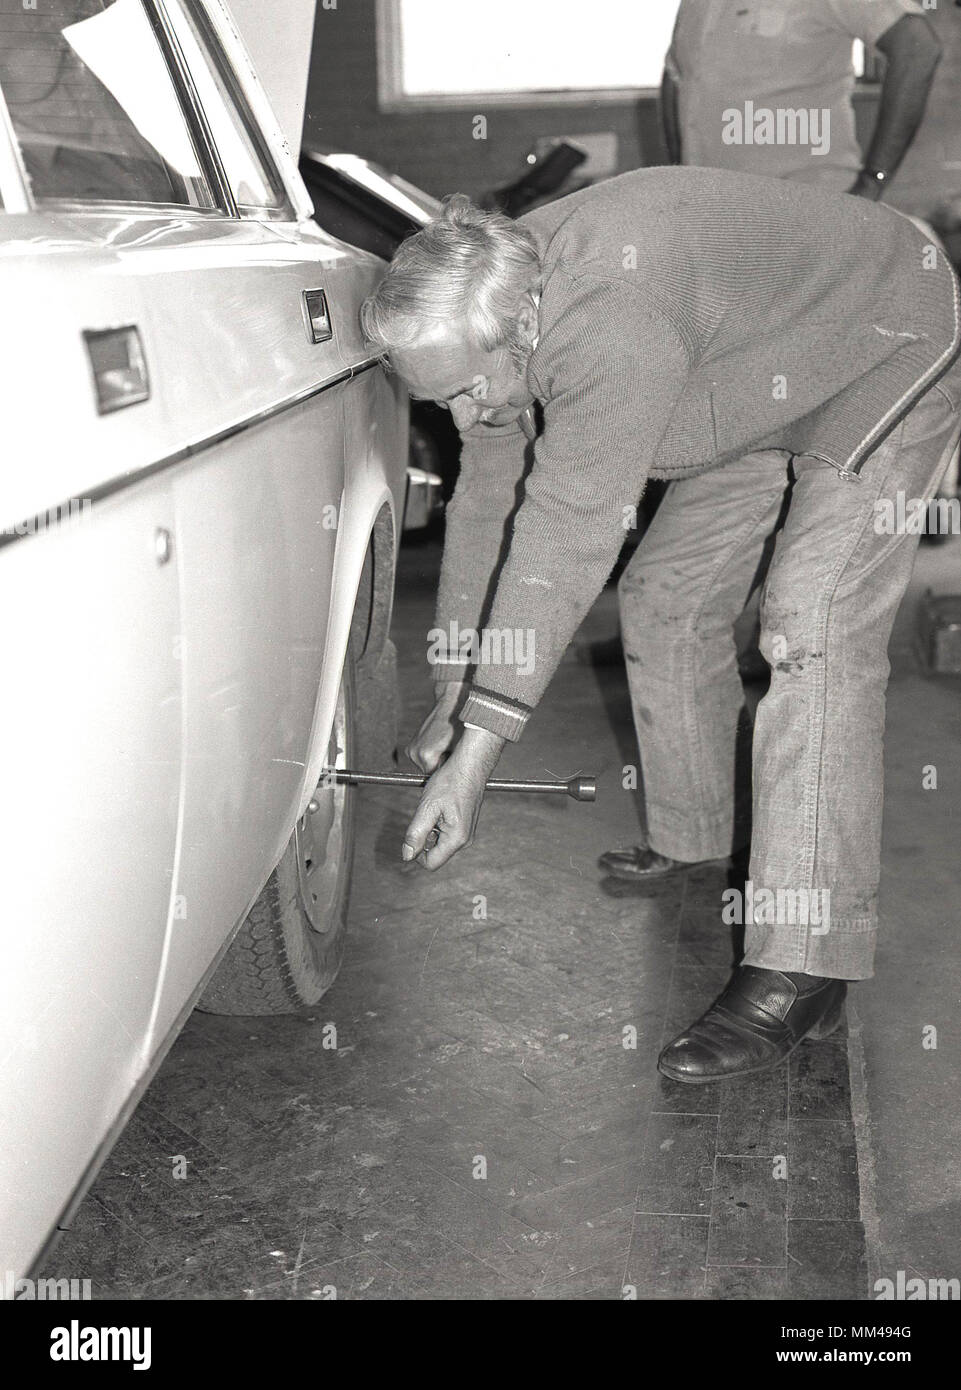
x=176 y=647
x=90 y=739
x=252 y=653
x=58 y=278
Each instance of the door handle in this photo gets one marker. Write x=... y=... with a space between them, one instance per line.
x=119 y=367
x=317 y=316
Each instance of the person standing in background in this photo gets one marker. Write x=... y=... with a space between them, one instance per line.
x=731 y=62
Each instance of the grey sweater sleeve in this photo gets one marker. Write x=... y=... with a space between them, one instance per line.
x=609 y=359
x=476 y=538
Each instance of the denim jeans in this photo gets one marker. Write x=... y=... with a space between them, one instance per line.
x=832 y=588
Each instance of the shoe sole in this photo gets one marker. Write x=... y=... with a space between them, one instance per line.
x=821 y=1030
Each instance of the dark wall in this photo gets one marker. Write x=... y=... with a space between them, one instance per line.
x=436 y=149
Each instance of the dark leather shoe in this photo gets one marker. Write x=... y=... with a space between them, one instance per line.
x=641 y=864
x=758 y=1021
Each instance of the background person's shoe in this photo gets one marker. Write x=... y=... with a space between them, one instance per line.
x=638 y=864
x=757 y=1022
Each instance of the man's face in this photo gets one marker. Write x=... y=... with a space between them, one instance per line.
x=477 y=386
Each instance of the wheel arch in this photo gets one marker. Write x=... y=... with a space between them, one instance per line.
x=373 y=605
x=361 y=604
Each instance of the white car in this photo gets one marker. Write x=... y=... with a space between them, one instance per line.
x=201 y=491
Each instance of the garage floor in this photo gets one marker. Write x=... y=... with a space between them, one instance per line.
x=473 y=1112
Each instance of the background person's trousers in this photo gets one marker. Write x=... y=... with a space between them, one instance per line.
x=828 y=605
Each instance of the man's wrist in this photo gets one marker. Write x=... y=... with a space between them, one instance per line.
x=448 y=694
x=482 y=744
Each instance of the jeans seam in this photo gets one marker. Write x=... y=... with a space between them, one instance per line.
x=816 y=717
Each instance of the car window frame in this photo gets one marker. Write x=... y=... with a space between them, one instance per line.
x=192 y=112
x=191 y=107
x=210 y=41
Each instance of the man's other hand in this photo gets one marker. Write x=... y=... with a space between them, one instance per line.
x=435 y=737
x=449 y=809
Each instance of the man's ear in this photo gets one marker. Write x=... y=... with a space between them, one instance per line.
x=527 y=319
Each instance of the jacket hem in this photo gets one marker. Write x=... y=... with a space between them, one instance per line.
x=910 y=398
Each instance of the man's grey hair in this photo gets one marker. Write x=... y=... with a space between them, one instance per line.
x=467 y=266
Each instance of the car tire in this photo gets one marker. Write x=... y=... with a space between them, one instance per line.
x=288 y=951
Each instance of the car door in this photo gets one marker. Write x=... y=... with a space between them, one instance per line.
x=91 y=699
x=91 y=767
x=245 y=313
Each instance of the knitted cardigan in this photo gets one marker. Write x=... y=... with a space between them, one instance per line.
x=687 y=317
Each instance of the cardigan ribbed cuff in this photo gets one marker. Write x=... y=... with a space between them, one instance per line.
x=495 y=713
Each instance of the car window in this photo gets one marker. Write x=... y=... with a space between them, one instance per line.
x=256 y=186
x=93 y=105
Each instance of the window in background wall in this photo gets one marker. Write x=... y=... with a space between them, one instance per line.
x=512 y=51
x=519 y=51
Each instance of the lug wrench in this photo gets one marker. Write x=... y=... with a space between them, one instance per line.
x=580 y=788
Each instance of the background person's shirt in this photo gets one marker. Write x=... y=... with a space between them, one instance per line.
x=780 y=56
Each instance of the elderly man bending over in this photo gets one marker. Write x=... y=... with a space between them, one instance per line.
x=745 y=338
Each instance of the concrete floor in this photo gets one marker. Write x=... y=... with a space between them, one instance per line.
x=481 y=1130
